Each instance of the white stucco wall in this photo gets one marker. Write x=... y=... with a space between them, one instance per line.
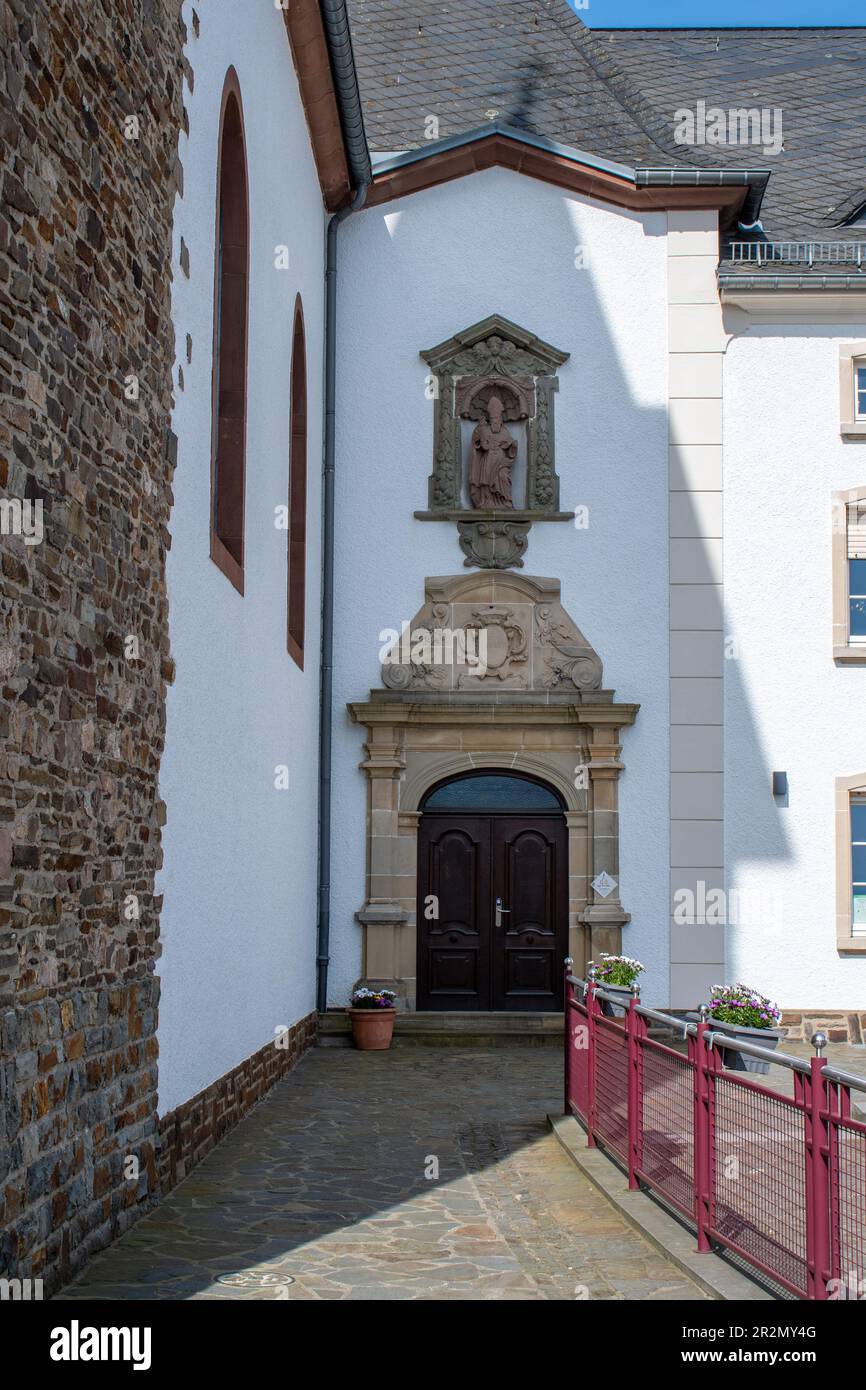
x=239 y=877
x=412 y=274
x=789 y=707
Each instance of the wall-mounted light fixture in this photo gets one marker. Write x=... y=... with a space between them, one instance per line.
x=780 y=784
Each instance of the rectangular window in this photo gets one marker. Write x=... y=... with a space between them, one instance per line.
x=851 y=864
x=858 y=866
x=849 y=575
x=857 y=601
x=852 y=389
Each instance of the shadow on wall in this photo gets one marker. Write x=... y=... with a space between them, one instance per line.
x=615 y=488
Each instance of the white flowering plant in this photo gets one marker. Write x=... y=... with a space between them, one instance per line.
x=373 y=999
x=616 y=970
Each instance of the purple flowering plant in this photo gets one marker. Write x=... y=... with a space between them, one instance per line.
x=740 y=1004
x=373 y=999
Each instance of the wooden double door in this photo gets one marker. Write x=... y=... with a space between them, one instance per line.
x=492 y=910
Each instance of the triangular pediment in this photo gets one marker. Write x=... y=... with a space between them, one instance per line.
x=495 y=345
x=490 y=632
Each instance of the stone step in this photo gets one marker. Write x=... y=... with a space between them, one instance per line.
x=453 y=1029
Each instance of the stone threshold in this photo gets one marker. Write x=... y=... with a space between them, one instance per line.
x=715 y=1276
x=453 y=1029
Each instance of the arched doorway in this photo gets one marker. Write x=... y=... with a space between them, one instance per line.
x=492 y=894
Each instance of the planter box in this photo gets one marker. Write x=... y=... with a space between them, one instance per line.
x=622 y=992
x=741 y=1061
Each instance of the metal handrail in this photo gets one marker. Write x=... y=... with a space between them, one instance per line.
x=798 y=252
x=718 y=1038
x=846 y=1077
x=602 y=993
x=816 y=1191
x=680 y=1025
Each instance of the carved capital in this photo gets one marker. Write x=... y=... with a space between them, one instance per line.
x=385 y=755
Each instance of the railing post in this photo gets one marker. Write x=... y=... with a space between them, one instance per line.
x=839 y=1097
x=570 y=1019
x=591 y=1011
x=633 y=1024
x=817 y=1129
x=703 y=1130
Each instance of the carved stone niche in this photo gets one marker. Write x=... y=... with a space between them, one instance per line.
x=494 y=361
x=485 y=632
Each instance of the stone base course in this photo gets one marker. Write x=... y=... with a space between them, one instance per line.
x=187 y=1134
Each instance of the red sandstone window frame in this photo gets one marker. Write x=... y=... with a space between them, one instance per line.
x=230 y=340
x=296 y=586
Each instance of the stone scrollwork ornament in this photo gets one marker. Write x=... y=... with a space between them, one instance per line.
x=492 y=630
x=503 y=641
x=493 y=545
x=569 y=659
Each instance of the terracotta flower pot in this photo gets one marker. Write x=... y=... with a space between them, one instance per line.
x=372 y=1029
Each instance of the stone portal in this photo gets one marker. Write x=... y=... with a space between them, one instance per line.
x=531 y=700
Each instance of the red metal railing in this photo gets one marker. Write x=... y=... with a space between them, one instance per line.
x=778 y=1180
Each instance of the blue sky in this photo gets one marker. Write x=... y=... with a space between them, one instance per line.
x=716 y=14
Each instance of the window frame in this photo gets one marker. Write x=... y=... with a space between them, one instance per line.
x=296 y=536
x=852 y=424
x=845 y=650
x=855 y=639
x=848 y=791
x=230 y=565
x=856 y=800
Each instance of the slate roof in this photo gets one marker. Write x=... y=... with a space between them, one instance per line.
x=613 y=93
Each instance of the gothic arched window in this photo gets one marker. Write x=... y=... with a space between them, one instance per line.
x=230 y=341
x=297 y=561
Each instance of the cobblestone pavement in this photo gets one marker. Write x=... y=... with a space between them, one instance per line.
x=325 y=1182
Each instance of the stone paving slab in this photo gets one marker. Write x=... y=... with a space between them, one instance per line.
x=420 y=1174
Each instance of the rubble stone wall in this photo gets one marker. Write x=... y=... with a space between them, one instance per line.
x=91 y=101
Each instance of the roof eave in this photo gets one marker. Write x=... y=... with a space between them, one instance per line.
x=805 y=282
x=321 y=48
x=736 y=193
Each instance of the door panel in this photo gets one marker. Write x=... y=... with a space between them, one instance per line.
x=454 y=944
x=529 y=874
x=466 y=863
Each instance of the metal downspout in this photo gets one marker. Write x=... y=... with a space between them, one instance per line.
x=335 y=20
x=323 y=929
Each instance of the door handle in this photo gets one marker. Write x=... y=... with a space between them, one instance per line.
x=499 y=911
